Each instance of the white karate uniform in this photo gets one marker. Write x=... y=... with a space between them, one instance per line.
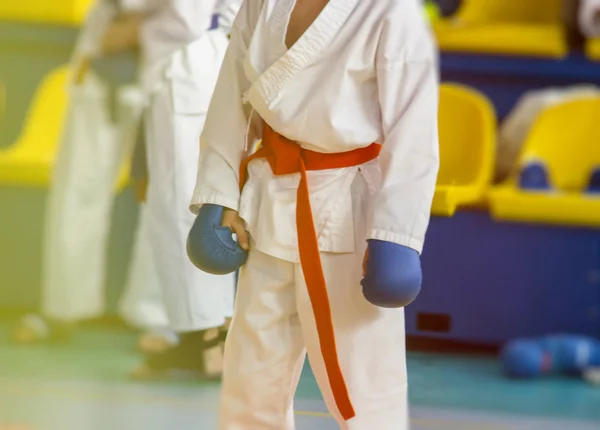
x=92 y=152
x=181 y=62
x=587 y=11
x=363 y=72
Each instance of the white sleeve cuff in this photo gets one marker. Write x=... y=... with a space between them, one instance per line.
x=404 y=240
x=199 y=200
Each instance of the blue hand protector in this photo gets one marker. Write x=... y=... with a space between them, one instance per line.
x=393 y=274
x=211 y=247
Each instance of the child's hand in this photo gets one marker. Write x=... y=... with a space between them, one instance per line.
x=233 y=221
x=122 y=35
x=210 y=245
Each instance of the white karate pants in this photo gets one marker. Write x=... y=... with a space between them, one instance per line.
x=79 y=206
x=273 y=327
x=194 y=300
x=142 y=304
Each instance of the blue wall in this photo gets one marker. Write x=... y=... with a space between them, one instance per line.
x=486 y=282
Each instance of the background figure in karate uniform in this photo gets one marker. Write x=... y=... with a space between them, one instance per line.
x=182 y=51
x=98 y=138
x=589 y=18
x=319 y=81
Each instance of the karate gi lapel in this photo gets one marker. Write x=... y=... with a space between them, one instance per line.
x=264 y=89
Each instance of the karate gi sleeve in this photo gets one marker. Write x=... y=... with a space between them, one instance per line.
x=89 y=42
x=141 y=6
x=408 y=96
x=179 y=22
x=98 y=21
x=227 y=11
x=224 y=137
x=589 y=18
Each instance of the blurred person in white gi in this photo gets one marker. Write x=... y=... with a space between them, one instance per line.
x=182 y=45
x=331 y=210
x=98 y=136
x=180 y=59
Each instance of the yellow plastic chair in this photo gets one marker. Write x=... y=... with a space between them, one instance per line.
x=67 y=12
x=30 y=160
x=513 y=27
x=592 y=49
x=467 y=130
x=566 y=140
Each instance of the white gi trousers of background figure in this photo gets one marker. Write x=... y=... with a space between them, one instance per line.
x=92 y=152
x=363 y=72
x=180 y=83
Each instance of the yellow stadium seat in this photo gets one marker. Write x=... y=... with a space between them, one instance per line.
x=513 y=27
x=516 y=11
x=30 y=160
x=566 y=140
x=592 y=49
x=467 y=130
x=67 y=12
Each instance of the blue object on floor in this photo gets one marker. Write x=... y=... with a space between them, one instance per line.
x=558 y=354
x=523 y=359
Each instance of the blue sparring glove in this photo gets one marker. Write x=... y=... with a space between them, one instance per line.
x=392 y=274
x=211 y=247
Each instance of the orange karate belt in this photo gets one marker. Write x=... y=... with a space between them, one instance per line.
x=285 y=158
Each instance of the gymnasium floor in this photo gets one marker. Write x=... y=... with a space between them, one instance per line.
x=82 y=387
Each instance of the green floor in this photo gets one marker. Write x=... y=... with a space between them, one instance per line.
x=84 y=386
